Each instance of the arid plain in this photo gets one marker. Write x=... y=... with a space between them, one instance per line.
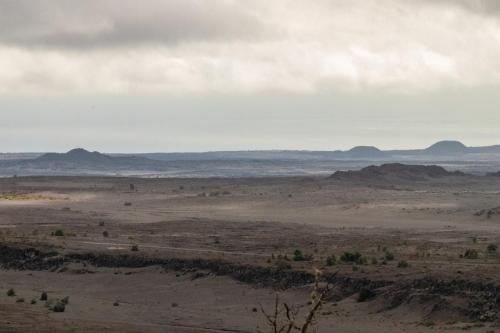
x=204 y=255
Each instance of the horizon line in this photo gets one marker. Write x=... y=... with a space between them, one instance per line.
x=245 y=150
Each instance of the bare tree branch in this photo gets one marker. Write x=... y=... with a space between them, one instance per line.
x=284 y=317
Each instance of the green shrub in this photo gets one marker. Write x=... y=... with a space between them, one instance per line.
x=59 y=307
x=43 y=296
x=388 y=256
x=355 y=257
x=59 y=233
x=11 y=292
x=331 y=260
x=33 y=301
x=403 y=264
x=299 y=256
x=471 y=254
x=134 y=248
x=492 y=248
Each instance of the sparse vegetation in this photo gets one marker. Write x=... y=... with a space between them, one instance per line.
x=299 y=256
x=403 y=264
x=331 y=260
x=59 y=307
x=14 y=196
x=353 y=257
x=388 y=256
x=284 y=318
x=59 y=233
x=471 y=254
x=259 y=251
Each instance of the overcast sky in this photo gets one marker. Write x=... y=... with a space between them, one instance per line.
x=197 y=75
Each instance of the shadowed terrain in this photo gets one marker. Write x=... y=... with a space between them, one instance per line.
x=201 y=255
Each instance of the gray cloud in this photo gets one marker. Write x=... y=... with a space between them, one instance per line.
x=103 y=23
x=239 y=46
x=123 y=75
x=481 y=7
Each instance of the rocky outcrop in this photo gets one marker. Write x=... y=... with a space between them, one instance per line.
x=457 y=298
x=488 y=213
x=395 y=171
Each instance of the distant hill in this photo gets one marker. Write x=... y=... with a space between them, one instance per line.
x=365 y=152
x=450 y=154
x=82 y=160
x=81 y=157
x=396 y=171
x=442 y=150
x=77 y=155
x=446 y=148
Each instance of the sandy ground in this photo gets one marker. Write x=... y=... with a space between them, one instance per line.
x=244 y=221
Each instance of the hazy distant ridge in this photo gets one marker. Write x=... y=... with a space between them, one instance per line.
x=452 y=155
x=442 y=149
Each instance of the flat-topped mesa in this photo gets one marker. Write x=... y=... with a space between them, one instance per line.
x=75 y=155
x=79 y=159
x=446 y=148
x=365 y=151
x=396 y=171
